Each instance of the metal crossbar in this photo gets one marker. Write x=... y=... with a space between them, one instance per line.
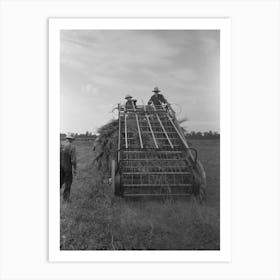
x=170 y=143
x=181 y=137
x=157 y=185
x=125 y=127
x=156 y=194
x=119 y=140
x=178 y=132
x=158 y=173
x=138 y=127
x=152 y=132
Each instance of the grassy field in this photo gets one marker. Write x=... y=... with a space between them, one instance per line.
x=96 y=220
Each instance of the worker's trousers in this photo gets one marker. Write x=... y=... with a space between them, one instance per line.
x=66 y=178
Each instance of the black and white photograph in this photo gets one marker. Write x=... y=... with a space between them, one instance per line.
x=139 y=130
x=140 y=140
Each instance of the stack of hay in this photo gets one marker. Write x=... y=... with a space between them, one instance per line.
x=106 y=144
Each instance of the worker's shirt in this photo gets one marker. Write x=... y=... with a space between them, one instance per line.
x=129 y=104
x=68 y=156
x=157 y=99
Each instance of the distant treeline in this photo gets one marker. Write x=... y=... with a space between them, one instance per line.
x=203 y=135
x=81 y=136
x=190 y=135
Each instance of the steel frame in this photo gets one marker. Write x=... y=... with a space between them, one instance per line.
x=160 y=169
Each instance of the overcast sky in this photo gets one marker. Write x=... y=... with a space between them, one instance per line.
x=98 y=68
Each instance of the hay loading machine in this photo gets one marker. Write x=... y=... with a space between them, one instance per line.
x=153 y=156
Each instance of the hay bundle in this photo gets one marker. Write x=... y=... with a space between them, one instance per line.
x=105 y=146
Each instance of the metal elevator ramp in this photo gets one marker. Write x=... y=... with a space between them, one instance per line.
x=153 y=155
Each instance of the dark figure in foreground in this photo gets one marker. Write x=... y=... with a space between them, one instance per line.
x=68 y=165
x=157 y=99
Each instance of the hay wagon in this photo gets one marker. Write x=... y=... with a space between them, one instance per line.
x=153 y=156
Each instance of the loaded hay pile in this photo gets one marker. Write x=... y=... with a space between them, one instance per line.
x=106 y=145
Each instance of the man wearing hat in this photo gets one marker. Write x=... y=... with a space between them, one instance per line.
x=157 y=98
x=129 y=102
x=68 y=165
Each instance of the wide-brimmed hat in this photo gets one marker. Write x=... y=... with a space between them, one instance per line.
x=156 y=89
x=70 y=135
x=128 y=96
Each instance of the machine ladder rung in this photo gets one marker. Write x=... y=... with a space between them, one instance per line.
x=162 y=127
x=125 y=127
x=155 y=194
x=138 y=127
x=157 y=185
x=178 y=132
x=157 y=173
x=152 y=132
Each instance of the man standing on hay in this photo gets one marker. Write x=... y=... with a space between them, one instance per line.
x=130 y=103
x=68 y=165
x=157 y=99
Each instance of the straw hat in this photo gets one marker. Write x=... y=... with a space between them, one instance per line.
x=156 y=89
x=128 y=96
x=70 y=135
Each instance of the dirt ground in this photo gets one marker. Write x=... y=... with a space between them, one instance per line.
x=96 y=220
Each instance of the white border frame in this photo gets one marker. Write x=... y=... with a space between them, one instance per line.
x=224 y=25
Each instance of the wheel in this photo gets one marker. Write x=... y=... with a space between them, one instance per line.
x=117 y=190
x=116 y=179
x=199 y=187
x=196 y=186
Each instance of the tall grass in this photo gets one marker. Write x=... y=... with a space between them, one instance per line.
x=96 y=220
